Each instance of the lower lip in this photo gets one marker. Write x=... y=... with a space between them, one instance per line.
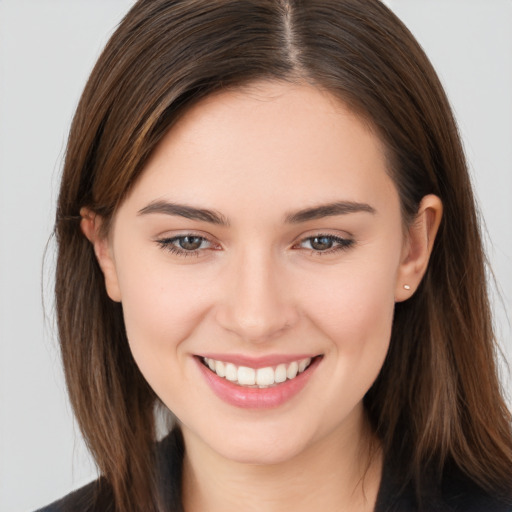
x=257 y=398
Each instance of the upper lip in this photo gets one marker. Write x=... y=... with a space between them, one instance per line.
x=258 y=362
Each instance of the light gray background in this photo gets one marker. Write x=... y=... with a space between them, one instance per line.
x=47 y=48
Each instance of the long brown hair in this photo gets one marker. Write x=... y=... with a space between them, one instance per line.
x=437 y=400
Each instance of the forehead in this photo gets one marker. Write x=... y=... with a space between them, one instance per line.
x=274 y=142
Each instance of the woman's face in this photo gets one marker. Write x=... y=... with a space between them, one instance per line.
x=264 y=235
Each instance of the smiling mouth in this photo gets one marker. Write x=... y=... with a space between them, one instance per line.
x=267 y=377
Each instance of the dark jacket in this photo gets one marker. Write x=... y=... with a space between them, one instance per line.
x=456 y=493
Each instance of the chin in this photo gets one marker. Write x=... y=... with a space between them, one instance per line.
x=261 y=445
x=260 y=455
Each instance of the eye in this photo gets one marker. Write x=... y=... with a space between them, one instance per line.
x=325 y=244
x=185 y=245
x=190 y=243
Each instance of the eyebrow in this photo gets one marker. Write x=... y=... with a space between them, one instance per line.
x=328 y=210
x=182 y=210
x=214 y=217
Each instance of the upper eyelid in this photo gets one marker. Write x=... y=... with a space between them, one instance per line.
x=175 y=236
x=341 y=241
x=324 y=233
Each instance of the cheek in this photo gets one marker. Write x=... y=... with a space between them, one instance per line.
x=356 y=317
x=355 y=313
x=357 y=302
x=161 y=309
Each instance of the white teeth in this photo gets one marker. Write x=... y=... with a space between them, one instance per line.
x=231 y=372
x=264 y=376
x=292 y=371
x=220 y=368
x=246 y=376
x=304 y=364
x=261 y=377
x=280 y=375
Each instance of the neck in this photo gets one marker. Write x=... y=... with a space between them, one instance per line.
x=339 y=472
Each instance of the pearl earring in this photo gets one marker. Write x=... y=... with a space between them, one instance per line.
x=407 y=287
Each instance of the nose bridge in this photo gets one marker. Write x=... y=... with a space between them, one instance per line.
x=257 y=307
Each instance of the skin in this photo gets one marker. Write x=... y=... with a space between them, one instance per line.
x=257 y=287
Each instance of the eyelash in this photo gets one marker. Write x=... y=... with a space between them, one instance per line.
x=343 y=244
x=168 y=244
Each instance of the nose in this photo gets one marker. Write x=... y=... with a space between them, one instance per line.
x=257 y=305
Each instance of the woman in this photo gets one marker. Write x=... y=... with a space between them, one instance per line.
x=266 y=226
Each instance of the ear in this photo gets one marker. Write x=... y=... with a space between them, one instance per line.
x=418 y=247
x=91 y=228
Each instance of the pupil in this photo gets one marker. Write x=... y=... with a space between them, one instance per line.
x=321 y=243
x=190 y=243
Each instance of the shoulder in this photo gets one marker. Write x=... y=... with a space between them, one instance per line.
x=94 y=497
x=457 y=493
x=98 y=496
x=460 y=493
